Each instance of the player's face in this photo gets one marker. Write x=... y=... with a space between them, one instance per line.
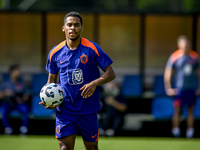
x=72 y=28
x=16 y=73
x=184 y=45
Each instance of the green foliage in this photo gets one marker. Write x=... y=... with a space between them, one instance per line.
x=150 y=4
x=187 y=5
x=1 y=4
x=183 y=6
x=114 y=4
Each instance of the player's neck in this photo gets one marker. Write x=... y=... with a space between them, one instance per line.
x=185 y=52
x=73 y=44
x=13 y=79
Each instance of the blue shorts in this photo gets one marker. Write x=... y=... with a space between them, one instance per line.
x=86 y=125
x=185 y=98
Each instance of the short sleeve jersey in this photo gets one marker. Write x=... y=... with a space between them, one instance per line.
x=77 y=68
x=185 y=69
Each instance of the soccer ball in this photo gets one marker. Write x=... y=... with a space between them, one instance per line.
x=51 y=94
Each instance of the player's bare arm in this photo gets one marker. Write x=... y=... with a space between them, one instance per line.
x=107 y=76
x=116 y=104
x=51 y=79
x=167 y=79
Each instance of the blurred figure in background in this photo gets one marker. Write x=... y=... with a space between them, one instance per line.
x=115 y=107
x=183 y=68
x=14 y=96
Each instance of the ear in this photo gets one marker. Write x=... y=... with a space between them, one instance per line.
x=82 y=28
x=63 y=28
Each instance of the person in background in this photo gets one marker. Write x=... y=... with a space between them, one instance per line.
x=13 y=94
x=115 y=107
x=183 y=67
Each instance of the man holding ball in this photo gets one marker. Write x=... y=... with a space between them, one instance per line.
x=77 y=60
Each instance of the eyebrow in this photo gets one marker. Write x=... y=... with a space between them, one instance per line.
x=73 y=23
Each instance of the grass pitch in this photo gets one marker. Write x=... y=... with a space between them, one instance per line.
x=116 y=143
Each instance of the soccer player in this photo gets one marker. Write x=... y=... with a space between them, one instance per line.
x=77 y=60
x=183 y=67
x=14 y=95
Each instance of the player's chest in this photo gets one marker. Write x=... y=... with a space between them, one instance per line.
x=185 y=61
x=186 y=66
x=74 y=59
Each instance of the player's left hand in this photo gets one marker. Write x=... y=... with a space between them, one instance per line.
x=88 y=89
x=48 y=107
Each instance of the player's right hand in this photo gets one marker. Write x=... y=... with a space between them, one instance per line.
x=171 y=92
x=47 y=107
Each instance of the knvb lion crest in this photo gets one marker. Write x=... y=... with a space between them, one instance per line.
x=75 y=76
x=84 y=59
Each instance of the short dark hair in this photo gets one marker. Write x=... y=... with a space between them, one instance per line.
x=73 y=14
x=13 y=67
x=182 y=37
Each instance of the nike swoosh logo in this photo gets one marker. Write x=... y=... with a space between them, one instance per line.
x=63 y=61
x=94 y=136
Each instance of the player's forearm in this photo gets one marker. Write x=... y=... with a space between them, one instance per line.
x=52 y=78
x=168 y=84
x=167 y=79
x=119 y=106
x=103 y=80
x=106 y=77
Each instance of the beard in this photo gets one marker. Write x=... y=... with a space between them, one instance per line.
x=74 y=39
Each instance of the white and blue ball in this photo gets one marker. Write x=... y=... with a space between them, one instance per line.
x=51 y=94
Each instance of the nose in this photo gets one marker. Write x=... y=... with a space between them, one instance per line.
x=72 y=27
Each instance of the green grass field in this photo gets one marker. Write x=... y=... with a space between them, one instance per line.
x=116 y=143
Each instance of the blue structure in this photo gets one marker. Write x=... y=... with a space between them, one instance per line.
x=132 y=86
